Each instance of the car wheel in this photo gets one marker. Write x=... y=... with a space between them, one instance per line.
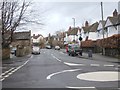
x=73 y=55
x=69 y=54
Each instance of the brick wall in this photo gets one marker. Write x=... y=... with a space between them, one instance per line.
x=111 y=45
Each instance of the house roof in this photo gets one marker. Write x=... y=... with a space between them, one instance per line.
x=37 y=36
x=94 y=27
x=118 y=21
x=102 y=22
x=22 y=35
x=72 y=31
x=113 y=20
x=87 y=28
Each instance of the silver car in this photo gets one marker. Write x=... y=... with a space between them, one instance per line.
x=35 y=50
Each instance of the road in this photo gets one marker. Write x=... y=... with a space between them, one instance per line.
x=55 y=69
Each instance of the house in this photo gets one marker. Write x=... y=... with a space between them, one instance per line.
x=85 y=31
x=110 y=24
x=93 y=31
x=22 y=43
x=58 y=39
x=72 y=34
x=38 y=40
x=100 y=29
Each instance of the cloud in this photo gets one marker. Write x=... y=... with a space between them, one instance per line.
x=58 y=15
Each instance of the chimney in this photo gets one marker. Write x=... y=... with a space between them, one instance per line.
x=86 y=24
x=115 y=13
x=69 y=27
x=33 y=35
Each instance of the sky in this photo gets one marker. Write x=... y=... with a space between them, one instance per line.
x=58 y=16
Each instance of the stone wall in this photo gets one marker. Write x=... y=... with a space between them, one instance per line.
x=5 y=53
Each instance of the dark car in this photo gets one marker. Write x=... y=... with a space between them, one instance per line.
x=74 y=49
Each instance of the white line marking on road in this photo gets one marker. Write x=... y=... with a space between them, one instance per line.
x=2 y=79
x=6 y=76
x=79 y=87
x=96 y=65
x=7 y=71
x=117 y=68
x=56 y=58
x=109 y=65
x=53 y=74
x=12 y=70
x=73 y=64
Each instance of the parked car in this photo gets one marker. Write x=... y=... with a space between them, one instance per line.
x=35 y=50
x=48 y=47
x=57 y=47
x=13 y=51
x=74 y=49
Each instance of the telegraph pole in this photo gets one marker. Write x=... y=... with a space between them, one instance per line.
x=103 y=50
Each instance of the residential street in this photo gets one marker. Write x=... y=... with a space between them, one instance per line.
x=55 y=69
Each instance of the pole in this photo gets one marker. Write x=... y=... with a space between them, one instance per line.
x=74 y=26
x=103 y=50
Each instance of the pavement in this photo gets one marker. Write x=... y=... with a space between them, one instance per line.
x=15 y=59
x=98 y=57
x=14 y=62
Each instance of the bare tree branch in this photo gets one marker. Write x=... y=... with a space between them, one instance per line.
x=11 y=14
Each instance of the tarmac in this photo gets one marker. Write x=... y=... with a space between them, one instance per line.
x=98 y=57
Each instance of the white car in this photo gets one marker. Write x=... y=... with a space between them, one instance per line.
x=35 y=50
x=57 y=48
x=48 y=47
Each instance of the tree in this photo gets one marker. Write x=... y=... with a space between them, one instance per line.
x=11 y=15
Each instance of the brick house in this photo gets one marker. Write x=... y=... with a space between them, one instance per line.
x=22 y=43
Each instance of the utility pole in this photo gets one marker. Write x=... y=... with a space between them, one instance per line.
x=74 y=26
x=103 y=50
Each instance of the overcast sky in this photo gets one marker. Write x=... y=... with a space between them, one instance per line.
x=58 y=15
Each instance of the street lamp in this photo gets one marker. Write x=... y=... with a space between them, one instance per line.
x=74 y=26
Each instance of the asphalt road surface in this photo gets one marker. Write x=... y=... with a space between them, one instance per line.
x=55 y=69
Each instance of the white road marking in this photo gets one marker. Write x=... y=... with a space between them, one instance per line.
x=2 y=79
x=7 y=72
x=103 y=76
x=12 y=70
x=116 y=68
x=94 y=65
x=79 y=87
x=56 y=58
x=53 y=74
x=109 y=65
x=73 y=64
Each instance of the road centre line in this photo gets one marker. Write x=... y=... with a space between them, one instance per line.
x=73 y=64
x=56 y=58
x=53 y=74
x=80 y=87
x=108 y=65
x=94 y=65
